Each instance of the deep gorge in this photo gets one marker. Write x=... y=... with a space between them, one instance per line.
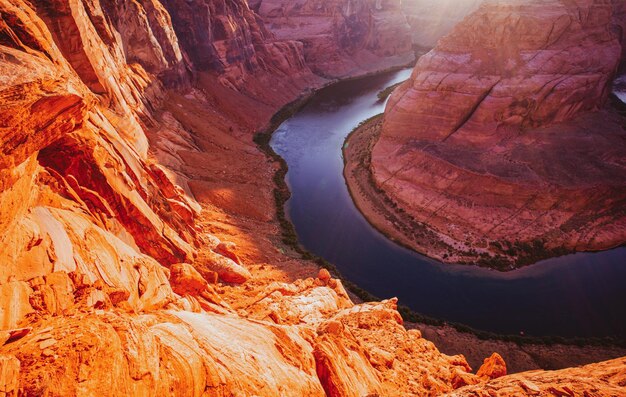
x=141 y=251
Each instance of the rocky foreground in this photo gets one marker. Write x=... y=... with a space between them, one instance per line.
x=139 y=248
x=502 y=149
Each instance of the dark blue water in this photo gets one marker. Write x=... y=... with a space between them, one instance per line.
x=576 y=295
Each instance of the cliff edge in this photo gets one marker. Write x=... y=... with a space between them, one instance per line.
x=502 y=149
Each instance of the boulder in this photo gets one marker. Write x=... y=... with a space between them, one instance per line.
x=493 y=367
x=186 y=280
x=228 y=250
x=226 y=268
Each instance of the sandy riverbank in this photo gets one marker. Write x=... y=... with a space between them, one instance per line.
x=374 y=204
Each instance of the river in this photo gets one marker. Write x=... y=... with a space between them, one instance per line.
x=580 y=295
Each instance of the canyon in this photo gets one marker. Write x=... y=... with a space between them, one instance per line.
x=342 y=38
x=140 y=248
x=503 y=148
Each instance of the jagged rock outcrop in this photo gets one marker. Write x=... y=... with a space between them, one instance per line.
x=603 y=379
x=432 y=19
x=492 y=146
x=79 y=192
x=493 y=367
x=210 y=349
x=343 y=38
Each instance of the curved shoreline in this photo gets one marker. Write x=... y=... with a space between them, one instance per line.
x=373 y=203
x=381 y=212
x=289 y=237
x=393 y=222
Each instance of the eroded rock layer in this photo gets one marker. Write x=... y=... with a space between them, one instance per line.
x=343 y=38
x=604 y=379
x=500 y=143
x=227 y=38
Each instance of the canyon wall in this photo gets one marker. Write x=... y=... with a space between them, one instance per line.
x=619 y=23
x=495 y=142
x=75 y=168
x=227 y=38
x=81 y=83
x=343 y=38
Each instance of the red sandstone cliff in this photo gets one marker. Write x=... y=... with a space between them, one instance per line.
x=619 y=22
x=343 y=38
x=495 y=142
x=125 y=130
x=228 y=39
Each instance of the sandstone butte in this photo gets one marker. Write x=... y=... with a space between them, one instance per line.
x=139 y=248
x=503 y=148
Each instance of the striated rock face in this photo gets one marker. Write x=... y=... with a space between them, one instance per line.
x=176 y=353
x=227 y=38
x=78 y=189
x=192 y=349
x=342 y=37
x=432 y=19
x=619 y=23
x=491 y=143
